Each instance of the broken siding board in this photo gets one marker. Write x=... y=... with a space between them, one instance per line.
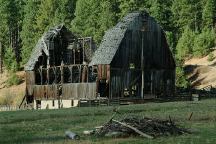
x=79 y=91
x=39 y=92
x=30 y=81
x=52 y=91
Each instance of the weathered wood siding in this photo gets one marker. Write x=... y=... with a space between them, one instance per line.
x=58 y=64
x=159 y=66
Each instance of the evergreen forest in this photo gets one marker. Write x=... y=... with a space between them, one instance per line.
x=190 y=25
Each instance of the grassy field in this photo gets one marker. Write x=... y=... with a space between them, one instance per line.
x=49 y=126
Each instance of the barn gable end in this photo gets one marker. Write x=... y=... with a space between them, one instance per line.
x=136 y=60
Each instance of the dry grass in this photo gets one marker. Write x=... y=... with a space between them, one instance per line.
x=14 y=93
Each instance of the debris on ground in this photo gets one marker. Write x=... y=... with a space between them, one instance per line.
x=145 y=127
x=72 y=135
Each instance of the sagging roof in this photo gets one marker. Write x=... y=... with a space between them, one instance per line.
x=111 y=41
x=42 y=46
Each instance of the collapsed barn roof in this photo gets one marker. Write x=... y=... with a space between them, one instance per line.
x=113 y=37
x=43 y=45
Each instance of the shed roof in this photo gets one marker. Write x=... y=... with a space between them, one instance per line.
x=42 y=46
x=111 y=40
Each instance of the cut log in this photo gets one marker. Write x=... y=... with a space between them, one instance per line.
x=134 y=129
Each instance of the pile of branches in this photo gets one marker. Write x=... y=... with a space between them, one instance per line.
x=145 y=127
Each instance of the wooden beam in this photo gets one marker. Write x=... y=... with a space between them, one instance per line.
x=80 y=70
x=48 y=77
x=74 y=55
x=142 y=67
x=54 y=71
x=71 y=74
x=62 y=73
x=134 y=129
x=83 y=45
x=41 y=75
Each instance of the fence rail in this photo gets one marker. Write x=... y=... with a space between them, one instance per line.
x=184 y=96
x=8 y=108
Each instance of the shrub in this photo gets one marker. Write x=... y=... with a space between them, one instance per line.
x=171 y=41
x=13 y=80
x=211 y=57
x=181 y=80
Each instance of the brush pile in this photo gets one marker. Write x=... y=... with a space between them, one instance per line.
x=145 y=127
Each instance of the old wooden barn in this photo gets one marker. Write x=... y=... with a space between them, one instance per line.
x=133 y=62
x=57 y=72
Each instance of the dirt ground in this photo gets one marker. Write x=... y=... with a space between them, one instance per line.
x=201 y=72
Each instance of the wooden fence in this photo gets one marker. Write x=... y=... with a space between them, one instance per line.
x=8 y=108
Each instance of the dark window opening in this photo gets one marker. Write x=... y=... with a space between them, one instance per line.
x=72 y=103
x=53 y=103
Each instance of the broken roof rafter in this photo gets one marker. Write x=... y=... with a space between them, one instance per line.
x=42 y=46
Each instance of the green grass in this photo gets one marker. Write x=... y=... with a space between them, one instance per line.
x=49 y=126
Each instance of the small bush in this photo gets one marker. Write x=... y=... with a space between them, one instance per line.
x=181 y=79
x=211 y=57
x=13 y=80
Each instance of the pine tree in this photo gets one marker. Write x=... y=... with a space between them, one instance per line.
x=106 y=19
x=80 y=23
x=11 y=13
x=187 y=13
x=127 y=6
x=93 y=17
x=52 y=13
x=203 y=42
x=65 y=12
x=185 y=44
x=28 y=30
x=10 y=60
x=45 y=16
x=208 y=14
x=15 y=9
x=161 y=11
x=4 y=29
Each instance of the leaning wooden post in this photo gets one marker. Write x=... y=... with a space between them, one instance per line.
x=62 y=81
x=48 y=67
x=83 y=45
x=142 y=68
x=62 y=73
x=1 y=58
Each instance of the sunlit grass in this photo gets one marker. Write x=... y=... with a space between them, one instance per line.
x=49 y=126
